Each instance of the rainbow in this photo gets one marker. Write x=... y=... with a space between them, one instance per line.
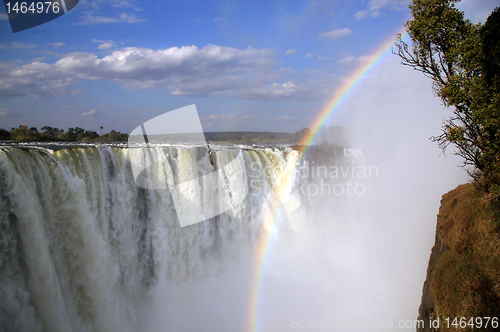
x=326 y=113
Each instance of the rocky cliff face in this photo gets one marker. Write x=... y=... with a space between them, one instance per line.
x=463 y=275
x=426 y=309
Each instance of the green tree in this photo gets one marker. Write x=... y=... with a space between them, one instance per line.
x=454 y=54
x=90 y=135
x=490 y=66
x=69 y=135
x=21 y=134
x=247 y=139
x=4 y=135
x=48 y=130
x=301 y=134
x=113 y=135
x=74 y=134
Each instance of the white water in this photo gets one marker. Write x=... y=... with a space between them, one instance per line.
x=83 y=248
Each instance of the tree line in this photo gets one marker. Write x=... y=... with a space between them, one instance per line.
x=53 y=134
x=77 y=134
x=334 y=135
x=256 y=137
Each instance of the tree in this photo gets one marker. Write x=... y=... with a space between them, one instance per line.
x=4 y=135
x=303 y=133
x=69 y=135
x=490 y=65
x=91 y=135
x=266 y=138
x=113 y=135
x=247 y=139
x=460 y=58
x=22 y=133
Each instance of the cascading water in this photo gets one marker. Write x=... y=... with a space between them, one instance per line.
x=82 y=244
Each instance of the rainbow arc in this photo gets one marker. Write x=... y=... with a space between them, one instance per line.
x=330 y=108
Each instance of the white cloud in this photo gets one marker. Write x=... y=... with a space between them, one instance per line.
x=3 y=113
x=361 y=14
x=308 y=90
x=57 y=44
x=284 y=118
x=232 y=116
x=14 y=45
x=353 y=60
x=122 y=3
x=477 y=10
x=308 y=55
x=249 y=74
x=99 y=41
x=188 y=70
x=325 y=58
x=93 y=112
x=335 y=34
x=474 y=10
x=243 y=117
x=97 y=5
x=291 y=51
x=96 y=19
x=130 y=18
x=3 y=17
x=35 y=79
x=105 y=46
x=375 y=6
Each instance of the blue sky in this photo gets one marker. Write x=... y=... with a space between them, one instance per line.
x=247 y=65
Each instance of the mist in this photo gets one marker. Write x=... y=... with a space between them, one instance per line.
x=358 y=261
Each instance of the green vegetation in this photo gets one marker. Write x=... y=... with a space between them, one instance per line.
x=4 y=135
x=463 y=61
x=465 y=282
x=251 y=137
x=49 y=134
x=331 y=135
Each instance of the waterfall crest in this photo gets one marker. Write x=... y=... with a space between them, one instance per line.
x=82 y=244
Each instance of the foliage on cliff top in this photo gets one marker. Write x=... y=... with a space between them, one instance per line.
x=50 y=134
x=463 y=61
x=466 y=280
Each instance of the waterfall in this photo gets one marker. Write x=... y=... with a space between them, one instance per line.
x=82 y=244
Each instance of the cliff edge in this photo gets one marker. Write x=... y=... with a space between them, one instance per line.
x=463 y=275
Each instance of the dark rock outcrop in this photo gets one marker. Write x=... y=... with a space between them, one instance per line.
x=426 y=309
